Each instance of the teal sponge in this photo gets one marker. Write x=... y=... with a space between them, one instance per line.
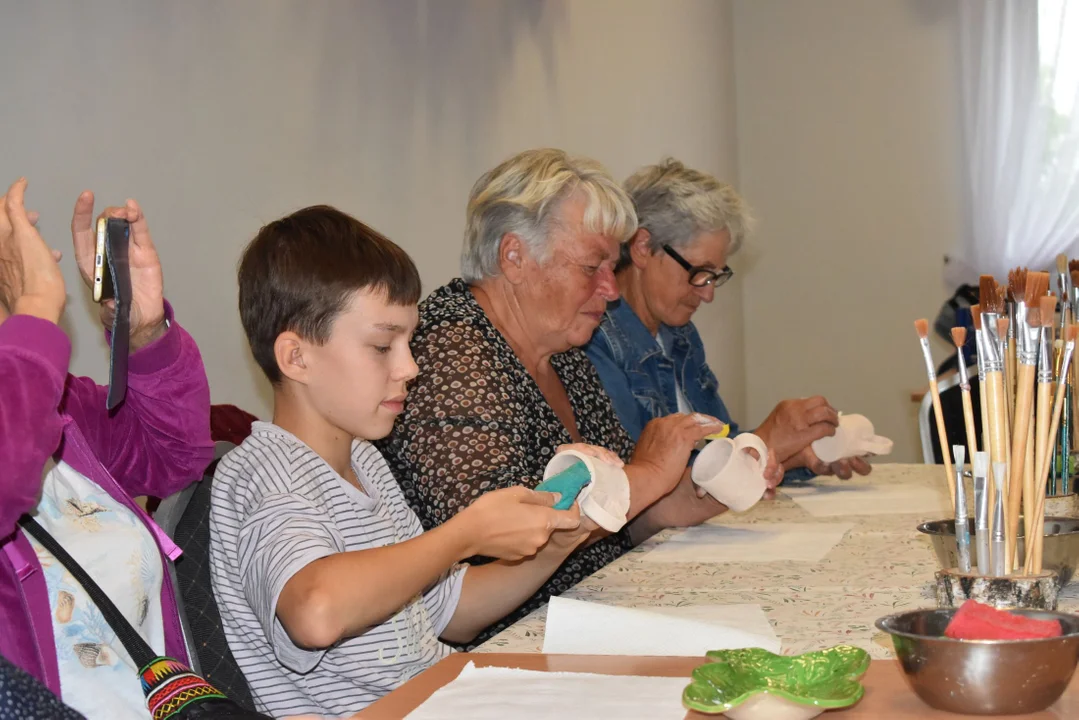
x=568 y=484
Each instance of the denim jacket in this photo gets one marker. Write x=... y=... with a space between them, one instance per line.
x=640 y=378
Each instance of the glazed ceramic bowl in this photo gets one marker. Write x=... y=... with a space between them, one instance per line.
x=754 y=684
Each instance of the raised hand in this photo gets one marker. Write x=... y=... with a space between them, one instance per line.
x=147 y=282
x=30 y=279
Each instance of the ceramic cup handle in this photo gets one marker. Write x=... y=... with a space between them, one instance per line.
x=749 y=440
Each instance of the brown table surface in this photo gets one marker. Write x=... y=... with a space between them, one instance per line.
x=887 y=694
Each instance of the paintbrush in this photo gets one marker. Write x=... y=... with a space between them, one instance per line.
x=979 y=344
x=1070 y=333
x=1044 y=323
x=922 y=328
x=959 y=337
x=1009 y=342
x=1004 y=327
x=1026 y=336
x=962 y=529
x=980 y=470
x=1064 y=291
x=1028 y=491
x=992 y=303
x=998 y=552
x=1073 y=308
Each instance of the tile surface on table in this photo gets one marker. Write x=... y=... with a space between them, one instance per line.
x=882 y=566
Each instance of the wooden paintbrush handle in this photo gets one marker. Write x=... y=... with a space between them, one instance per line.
x=968 y=421
x=998 y=443
x=1045 y=418
x=1023 y=411
x=1028 y=491
x=1075 y=403
x=986 y=435
x=942 y=435
x=1040 y=483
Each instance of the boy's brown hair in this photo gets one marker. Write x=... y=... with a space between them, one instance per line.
x=301 y=272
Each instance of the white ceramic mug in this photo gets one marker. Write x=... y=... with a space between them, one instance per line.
x=605 y=500
x=730 y=474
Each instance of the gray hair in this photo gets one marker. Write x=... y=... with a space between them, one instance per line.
x=522 y=196
x=675 y=204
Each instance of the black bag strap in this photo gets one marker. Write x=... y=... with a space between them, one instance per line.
x=139 y=650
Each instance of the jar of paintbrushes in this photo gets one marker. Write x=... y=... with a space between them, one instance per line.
x=1026 y=339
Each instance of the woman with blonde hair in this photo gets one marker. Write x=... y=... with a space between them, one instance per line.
x=502 y=379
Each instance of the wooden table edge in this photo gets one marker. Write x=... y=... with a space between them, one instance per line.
x=887 y=693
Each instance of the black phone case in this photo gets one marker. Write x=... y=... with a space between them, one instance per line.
x=116 y=245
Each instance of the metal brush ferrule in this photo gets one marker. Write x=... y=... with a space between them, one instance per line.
x=979 y=343
x=1069 y=348
x=964 y=379
x=930 y=370
x=994 y=359
x=1026 y=348
x=961 y=513
x=981 y=503
x=998 y=509
x=1074 y=297
x=1012 y=309
x=1045 y=357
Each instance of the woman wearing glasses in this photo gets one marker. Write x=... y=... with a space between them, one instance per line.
x=647 y=351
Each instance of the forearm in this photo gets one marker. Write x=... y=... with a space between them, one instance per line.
x=643 y=527
x=158 y=441
x=345 y=594
x=644 y=489
x=682 y=507
x=492 y=591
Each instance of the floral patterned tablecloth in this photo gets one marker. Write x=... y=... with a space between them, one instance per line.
x=882 y=566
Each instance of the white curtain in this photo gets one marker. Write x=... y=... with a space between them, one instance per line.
x=1019 y=81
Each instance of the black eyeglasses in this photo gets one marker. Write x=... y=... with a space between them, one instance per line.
x=700 y=276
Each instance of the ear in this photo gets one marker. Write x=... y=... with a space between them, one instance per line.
x=288 y=350
x=639 y=252
x=511 y=257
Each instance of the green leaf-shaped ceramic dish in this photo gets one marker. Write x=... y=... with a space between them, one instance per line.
x=816 y=681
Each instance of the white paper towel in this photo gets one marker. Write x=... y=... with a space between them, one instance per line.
x=877 y=499
x=576 y=627
x=757 y=543
x=499 y=693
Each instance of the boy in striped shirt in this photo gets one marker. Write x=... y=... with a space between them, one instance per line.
x=330 y=593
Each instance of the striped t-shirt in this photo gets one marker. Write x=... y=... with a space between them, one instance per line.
x=278 y=506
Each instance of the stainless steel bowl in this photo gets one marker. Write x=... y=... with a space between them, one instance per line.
x=1060 y=552
x=983 y=677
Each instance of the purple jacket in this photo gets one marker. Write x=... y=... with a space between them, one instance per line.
x=157 y=443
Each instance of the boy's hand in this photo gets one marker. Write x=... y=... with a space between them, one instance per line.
x=514 y=523
x=566 y=541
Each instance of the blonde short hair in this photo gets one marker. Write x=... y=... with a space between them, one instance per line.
x=522 y=196
x=675 y=204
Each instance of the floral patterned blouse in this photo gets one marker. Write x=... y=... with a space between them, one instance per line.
x=476 y=421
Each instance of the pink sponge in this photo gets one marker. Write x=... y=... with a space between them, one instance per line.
x=975 y=621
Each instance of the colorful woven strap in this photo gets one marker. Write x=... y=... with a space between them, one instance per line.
x=170 y=685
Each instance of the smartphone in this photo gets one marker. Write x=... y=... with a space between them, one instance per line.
x=103 y=285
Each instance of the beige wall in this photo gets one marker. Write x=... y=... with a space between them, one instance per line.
x=220 y=116
x=848 y=147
